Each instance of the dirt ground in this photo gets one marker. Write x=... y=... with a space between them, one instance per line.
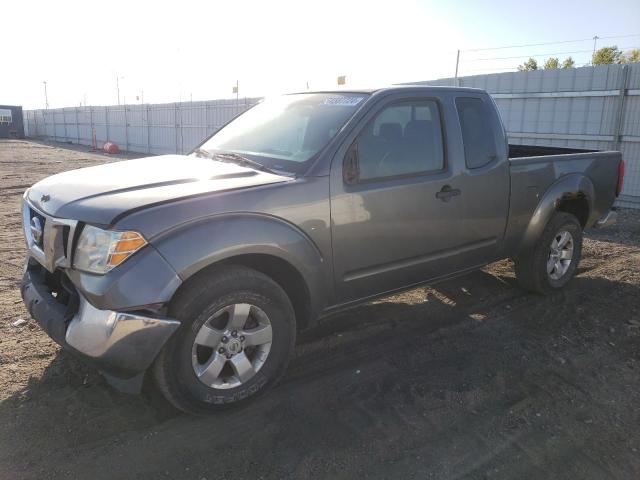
x=473 y=378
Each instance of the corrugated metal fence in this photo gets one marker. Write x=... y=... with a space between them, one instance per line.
x=591 y=107
x=152 y=128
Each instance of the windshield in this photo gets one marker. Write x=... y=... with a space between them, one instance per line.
x=285 y=132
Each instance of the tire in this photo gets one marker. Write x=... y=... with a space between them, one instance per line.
x=197 y=371
x=532 y=267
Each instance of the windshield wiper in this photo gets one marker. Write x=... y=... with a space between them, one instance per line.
x=203 y=152
x=239 y=160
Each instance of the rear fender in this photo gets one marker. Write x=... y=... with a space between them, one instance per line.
x=569 y=186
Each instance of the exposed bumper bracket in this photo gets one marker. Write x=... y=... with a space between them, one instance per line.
x=608 y=219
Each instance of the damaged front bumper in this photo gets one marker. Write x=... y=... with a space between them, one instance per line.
x=122 y=345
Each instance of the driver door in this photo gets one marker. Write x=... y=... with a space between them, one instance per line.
x=394 y=201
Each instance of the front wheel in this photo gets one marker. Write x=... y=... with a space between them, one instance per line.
x=553 y=261
x=237 y=334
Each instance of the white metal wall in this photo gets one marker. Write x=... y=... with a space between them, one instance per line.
x=153 y=129
x=589 y=107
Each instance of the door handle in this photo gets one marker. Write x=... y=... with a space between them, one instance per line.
x=447 y=192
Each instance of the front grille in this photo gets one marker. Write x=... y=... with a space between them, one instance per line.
x=65 y=240
x=52 y=246
x=34 y=214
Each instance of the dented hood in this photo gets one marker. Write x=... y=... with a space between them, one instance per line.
x=102 y=193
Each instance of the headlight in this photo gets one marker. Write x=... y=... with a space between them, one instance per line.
x=98 y=251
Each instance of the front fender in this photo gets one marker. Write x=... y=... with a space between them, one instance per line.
x=566 y=186
x=197 y=245
x=144 y=279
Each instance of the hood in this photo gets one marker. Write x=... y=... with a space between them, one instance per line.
x=99 y=194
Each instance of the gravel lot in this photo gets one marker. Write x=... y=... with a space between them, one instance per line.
x=473 y=378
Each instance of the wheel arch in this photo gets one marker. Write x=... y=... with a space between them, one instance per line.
x=267 y=244
x=572 y=194
x=279 y=270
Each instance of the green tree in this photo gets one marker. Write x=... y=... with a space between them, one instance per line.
x=568 y=63
x=529 y=65
x=632 y=56
x=608 y=56
x=552 y=63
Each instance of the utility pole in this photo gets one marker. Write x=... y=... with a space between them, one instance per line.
x=118 y=78
x=236 y=89
x=595 y=41
x=46 y=98
x=455 y=79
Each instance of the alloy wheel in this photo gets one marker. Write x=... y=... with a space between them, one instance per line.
x=232 y=346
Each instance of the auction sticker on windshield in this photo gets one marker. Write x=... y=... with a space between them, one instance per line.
x=342 y=101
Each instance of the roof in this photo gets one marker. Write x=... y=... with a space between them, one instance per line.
x=369 y=91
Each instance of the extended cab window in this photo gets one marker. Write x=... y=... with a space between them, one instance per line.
x=404 y=138
x=477 y=131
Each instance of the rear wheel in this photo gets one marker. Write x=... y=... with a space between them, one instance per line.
x=237 y=334
x=554 y=259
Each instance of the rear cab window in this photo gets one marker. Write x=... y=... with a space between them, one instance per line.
x=478 y=131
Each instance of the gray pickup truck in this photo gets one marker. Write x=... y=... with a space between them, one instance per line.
x=199 y=269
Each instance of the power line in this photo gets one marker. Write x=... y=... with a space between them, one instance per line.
x=537 y=55
x=527 y=45
x=514 y=68
x=523 y=56
x=620 y=36
x=550 y=43
x=466 y=72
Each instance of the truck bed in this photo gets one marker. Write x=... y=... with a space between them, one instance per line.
x=520 y=151
x=535 y=169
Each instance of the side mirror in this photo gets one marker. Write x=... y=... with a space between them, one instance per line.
x=350 y=168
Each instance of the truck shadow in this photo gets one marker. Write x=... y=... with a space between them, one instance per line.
x=428 y=369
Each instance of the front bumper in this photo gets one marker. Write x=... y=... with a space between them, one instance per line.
x=122 y=345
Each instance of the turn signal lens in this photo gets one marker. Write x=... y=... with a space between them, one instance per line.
x=129 y=243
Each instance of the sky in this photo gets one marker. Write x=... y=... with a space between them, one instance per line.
x=158 y=51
